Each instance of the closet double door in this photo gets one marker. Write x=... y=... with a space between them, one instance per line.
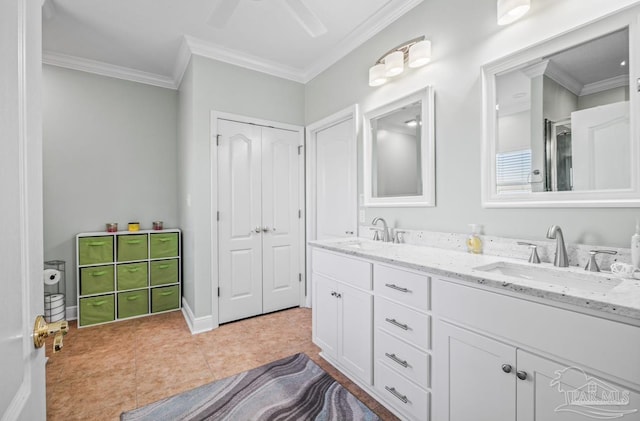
x=259 y=220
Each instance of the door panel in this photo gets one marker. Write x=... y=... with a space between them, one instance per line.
x=325 y=315
x=280 y=204
x=240 y=203
x=477 y=387
x=356 y=308
x=336 y=199
x=549 y=390
x=22 y=388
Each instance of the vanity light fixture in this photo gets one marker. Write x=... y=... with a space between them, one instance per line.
x=511 y=10
x=415 y=53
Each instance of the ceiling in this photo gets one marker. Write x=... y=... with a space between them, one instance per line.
x=151 y=40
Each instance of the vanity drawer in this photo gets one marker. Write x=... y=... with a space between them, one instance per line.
x=401 y=393
x=342 y=268
x=402 y=358
x=405 y=287
x=403 y=322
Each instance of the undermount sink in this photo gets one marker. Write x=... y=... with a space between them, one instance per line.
x=364 y=245
x=551 y=276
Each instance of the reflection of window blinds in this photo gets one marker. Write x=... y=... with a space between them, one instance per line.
x=513 y=170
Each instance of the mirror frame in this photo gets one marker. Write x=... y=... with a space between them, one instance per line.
x=589 y=198
x=427 y=153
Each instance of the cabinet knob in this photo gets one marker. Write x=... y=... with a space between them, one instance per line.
x=257 y=229
x=522 y=375
x=333 y=293
x=349 y=232
x=506 y=368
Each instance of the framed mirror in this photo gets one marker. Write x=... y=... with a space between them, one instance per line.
x=399 y=152
x=560 y=121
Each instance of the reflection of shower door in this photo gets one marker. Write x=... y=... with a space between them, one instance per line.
x=558 y=154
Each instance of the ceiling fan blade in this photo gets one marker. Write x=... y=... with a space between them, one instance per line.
x=306 y=17
x=222 y=13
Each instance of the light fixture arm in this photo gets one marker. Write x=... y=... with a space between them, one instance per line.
x=404 y=47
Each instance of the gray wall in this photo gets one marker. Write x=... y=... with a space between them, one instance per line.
x=212 y=85
x=465 y=36
x=109 y=151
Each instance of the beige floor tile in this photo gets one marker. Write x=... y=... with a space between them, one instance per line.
x=105 y=370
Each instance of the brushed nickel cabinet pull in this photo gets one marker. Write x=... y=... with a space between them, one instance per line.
x=395 y=359
x=396 y=287
x=398 y=324
x=395 y=393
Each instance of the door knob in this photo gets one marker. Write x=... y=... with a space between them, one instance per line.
x=522 y=375
x=506 y=368
x=42 y=330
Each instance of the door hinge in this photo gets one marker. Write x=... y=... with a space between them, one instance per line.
x=217 y=140
x=217 y=215
x=299 y=277
x=218 y=291
x=299 y=213
x=300 y=148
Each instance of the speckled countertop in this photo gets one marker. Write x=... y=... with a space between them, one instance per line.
x=602 y=292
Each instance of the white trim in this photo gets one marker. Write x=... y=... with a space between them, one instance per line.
x=573 y=199
x=71 y=313
x=604 y=85
x=106 y=69
x=214 y=52
x=563 y=78
x=427 y=142
x=182 y=62
x=351 y=112
x=196 y=325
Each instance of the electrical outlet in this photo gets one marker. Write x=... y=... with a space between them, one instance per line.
x=362 y=216
x=188 y=200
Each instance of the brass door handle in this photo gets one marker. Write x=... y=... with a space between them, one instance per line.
x=42 y=330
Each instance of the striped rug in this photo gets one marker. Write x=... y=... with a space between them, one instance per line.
x=293 y=388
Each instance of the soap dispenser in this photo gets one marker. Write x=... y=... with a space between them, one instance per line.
x=474 y=243
x=635 y=247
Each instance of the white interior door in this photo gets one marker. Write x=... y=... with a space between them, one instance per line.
x=335 y=181
x=600 y=136
x=240 y=220
x=22 y=388
x=280 y=220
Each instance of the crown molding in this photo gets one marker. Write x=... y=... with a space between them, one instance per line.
x=106 y=69
x=208 y=50
x=383 y=18
x=604 y=85
x=563 y=78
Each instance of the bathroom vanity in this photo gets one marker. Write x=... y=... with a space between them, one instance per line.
x=438 y=334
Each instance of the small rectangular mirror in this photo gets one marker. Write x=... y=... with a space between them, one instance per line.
x=560 y=121
x=399 y=152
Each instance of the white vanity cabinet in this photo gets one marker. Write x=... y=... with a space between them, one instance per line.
x=343 y=312
x=503 y=358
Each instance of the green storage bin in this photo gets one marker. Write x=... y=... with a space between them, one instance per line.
x=95 y=250
x=132 y=247
x=132 y=276
x=164 y=272
x=134 y=303
x=165 y=298
x=96 y=280
x=164 y=245
x=97 y=310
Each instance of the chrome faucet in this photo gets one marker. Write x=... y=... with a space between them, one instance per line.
x=561 y=259
x=385 y=228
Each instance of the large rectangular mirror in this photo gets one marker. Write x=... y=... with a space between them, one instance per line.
x=399 y=152
x=560 y=121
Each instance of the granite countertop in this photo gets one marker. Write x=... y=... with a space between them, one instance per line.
x=602 y=293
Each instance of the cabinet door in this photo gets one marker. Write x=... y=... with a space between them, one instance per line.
x=472 y=384
x=552 y=391
x=325 y=315
x=355 y=344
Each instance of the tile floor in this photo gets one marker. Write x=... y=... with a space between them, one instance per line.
x=105 y=370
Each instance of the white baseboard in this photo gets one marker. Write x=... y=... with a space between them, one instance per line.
x=71 y=313
x=196 y=325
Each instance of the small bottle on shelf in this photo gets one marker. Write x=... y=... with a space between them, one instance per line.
x=474 y=242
